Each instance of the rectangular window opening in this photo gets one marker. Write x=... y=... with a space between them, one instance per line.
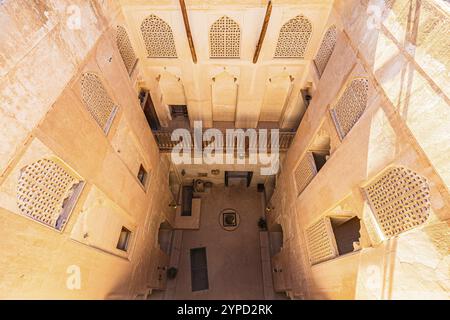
x=178 y=111
x=124 y=239
x=142 y=175
x=346 y=233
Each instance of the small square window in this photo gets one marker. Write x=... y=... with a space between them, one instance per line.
x=179 y=111
x=142 y=175
x=346 y=233
x=124 y=239
x=229 y=219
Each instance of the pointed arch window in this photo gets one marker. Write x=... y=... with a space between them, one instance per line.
x=97 y=101
x=305 y=172
x=125 y=49
x=350 y=106
x=320 y=241
x=158 y=38
x=294 y=38
x=326 y=49
x=47 y=192
x=224 y=39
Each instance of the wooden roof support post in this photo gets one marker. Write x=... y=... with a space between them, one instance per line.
x=263 y=32
x=188 y=30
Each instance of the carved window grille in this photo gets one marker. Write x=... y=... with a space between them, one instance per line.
x=305 y=172
x=326 y=49
x=224 y=39
x=125 y=49
x=350 y=106
x=46 y=192
x=294 y=38
x=320 y=241
x=158 y=38
x=400 y=200
x=97 y=101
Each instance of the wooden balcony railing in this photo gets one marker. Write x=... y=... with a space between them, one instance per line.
x=165 y=143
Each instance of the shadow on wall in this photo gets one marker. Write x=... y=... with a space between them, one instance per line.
x=410 y=265
x=404 y=259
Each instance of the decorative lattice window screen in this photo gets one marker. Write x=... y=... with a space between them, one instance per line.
x=224 y=39
x=388 y=4
x=158 y=38
x=326 y=49
x=125 y=49
x=44 y=191
x=320 y=240
x=97 y=100
x=294 y=38
x=400 y=200
x=305 y=172
x=350 y=106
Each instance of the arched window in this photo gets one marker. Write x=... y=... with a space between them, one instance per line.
x=97 y=100
x=350 y=106
x=326 y=49
x=333 y=235
x=46 y=192
x=304 y=172
x=224 y=39
x=158 y=38
x=125 y=49
x=320 y=242
x=400 y=200
x=294 y=38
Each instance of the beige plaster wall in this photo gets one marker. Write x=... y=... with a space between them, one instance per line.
x=42 y=114
x=406 y=123
x=251 y=79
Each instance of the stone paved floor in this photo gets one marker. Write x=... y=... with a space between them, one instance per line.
x=234 y=258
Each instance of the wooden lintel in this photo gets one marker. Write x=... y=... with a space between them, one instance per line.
x=263 y=32
x=188 y=31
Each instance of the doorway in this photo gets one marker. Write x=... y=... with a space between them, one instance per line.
x=237 y=177
x=180 y=116
x=165 y=236
x=149 y=110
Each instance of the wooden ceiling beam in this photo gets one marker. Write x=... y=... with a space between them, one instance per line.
x=263 y=32
x=188 y=31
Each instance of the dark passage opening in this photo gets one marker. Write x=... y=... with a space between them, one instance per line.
x=178 y=111
x=142 y=175
x=240 y=175
x=199 y=269
x=346 y=231
x=186 y=204
x=320 y=159
x=149 y=109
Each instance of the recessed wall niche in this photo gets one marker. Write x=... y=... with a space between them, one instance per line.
x=320 y=147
